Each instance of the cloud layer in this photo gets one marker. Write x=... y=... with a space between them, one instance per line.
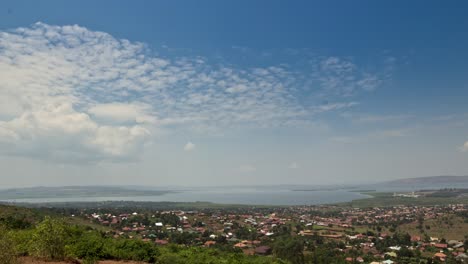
x=67 y=92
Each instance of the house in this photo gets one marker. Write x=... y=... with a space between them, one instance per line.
x=209 y=243
x=240 y=245
x=462 y=258
x=441 y=246
x=161 y=242
x=263 y=250
x=458 y=245
x=440 y=256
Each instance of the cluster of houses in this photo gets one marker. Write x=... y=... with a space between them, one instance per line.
x=209 y=226
x=346 y=225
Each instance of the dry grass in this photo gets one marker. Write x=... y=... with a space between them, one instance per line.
x=448 y=227
x=29 y=260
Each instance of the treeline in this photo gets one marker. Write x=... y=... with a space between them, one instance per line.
x=53 y=239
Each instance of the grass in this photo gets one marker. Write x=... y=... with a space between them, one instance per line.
x=448 y=227
x=83 y=222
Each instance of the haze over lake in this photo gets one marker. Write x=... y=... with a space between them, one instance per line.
x=222 y=195
x=247 y=195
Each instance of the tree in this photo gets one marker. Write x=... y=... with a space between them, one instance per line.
x=405 y=253
x=48 y=239
x=88 y=246
x=289 y=248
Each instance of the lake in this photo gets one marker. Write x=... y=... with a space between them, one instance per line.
x=249 y=196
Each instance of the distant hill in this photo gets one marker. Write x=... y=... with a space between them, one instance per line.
x=418 y=183
x=430 y=180
x=75 y=191
x=422 y=183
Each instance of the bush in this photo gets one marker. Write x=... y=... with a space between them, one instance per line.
x=125 y=249
x=289 y=248
x=7 y=248
x=48 y=239
x=88 y=246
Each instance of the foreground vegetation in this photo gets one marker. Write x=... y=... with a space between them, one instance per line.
x=54 y=239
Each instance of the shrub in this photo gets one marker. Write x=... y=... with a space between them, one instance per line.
x=89 y=247
x=7 y=248
x=48 y=239
x=125 y=249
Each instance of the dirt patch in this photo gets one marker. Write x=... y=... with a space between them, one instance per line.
x=29 y=260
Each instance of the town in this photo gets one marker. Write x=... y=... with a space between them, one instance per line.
x=398 y=234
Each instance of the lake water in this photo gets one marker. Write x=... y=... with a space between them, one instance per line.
x=227 y=196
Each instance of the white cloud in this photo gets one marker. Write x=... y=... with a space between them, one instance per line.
x=334 y=107
x=123 y=113
x=294 y=165
x=464 y=148
x=57 y=129
x=77 y=92
x=189 y=146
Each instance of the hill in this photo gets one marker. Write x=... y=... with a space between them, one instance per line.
x=431 y=180
x=75 y=191
x=420 y=183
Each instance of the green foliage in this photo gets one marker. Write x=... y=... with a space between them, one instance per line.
x=290 y=249
x=7 y=248
x=126 y=249
x=197 y=255
x=324 y=255
x=88 y=246
x=182 y=238
x=15 y=222
x=48 y=239
x=22 y=241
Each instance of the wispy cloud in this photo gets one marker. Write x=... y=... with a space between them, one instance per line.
x=381 y=134
x=341 y=76
x=372 y=118
x=334 y=106
x=106 y=96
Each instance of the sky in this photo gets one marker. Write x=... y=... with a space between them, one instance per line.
x=206 y=93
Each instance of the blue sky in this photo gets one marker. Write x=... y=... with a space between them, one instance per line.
x=232 y=92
